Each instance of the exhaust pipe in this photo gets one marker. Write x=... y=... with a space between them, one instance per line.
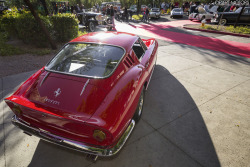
x=27 y=133
x=92 y=157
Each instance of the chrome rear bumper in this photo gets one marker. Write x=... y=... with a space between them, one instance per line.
x=75 y=145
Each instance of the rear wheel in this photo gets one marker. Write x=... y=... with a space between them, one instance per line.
x=203 y=18
x=91 y=27
x=139 y=108
x=109 y=28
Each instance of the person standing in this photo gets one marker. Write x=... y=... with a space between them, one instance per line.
x=97 y=7
x=126 y=13
x=108 y=11
x=147 y=15
x=112 y=14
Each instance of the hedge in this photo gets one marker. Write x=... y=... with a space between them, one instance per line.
x=62 y=27
x=65 y=26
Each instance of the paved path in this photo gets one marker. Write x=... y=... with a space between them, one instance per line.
x=160 y=31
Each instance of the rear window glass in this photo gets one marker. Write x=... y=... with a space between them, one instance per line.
x=91 y=60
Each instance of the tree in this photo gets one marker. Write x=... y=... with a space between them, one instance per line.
x=45 y=7
x=37 y=18
x=238 y=18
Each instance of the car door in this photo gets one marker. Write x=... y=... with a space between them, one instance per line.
x=245 y=17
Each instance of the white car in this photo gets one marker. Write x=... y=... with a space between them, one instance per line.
x=176 y=12
x=203 y=13
x=155 y=13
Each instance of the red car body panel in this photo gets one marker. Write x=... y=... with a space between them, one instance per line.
x=107 y=104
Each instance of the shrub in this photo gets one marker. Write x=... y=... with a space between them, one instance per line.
x=30 y=32
x=62 y=27
x=208 y=27
x=65 y=26
x=168 y=11
x=137 y=17
x=8 y=21
x=239 y=29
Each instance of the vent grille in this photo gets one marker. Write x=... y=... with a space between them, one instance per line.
x=129 y=61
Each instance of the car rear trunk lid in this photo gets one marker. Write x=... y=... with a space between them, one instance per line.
x=66 y=96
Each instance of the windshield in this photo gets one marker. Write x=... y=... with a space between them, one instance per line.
x=133 y=6
x=238 y=10
x=177 y=10
x=91 y=60
x=155 y=9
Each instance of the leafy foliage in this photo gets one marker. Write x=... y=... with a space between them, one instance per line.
x=239 y=29
x=29 y=30
x=8 y=21
x=65 y=26
x=62 y=27
x=137 y=17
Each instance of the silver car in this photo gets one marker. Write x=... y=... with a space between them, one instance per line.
x=176 y=12
x=155 y=13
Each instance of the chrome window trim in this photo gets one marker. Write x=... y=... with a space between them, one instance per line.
x=86 y=76
x=139 y=39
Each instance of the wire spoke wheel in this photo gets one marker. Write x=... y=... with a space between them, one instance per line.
x=223 y=22
x=91 y=27
x=139 y=108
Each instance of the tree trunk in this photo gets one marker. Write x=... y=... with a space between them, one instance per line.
x=45 y=7
x=238 y=18
x=138 y=7
x=37 y=18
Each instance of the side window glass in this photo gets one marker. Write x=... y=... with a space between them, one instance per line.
x=138 y=49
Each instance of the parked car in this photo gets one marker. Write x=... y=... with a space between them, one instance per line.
x=93 y=20
x=202 y=13
x=176 y=12
x=90 y=95
x=231 y=17
x=133 y=9
x=155 y=13
x=3 y=7
x=143 y=8
x=115 y=5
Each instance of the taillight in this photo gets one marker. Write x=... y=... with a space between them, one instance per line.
x=14 y=107
x=99 y=135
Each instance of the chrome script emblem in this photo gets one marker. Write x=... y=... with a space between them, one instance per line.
x=57 y=92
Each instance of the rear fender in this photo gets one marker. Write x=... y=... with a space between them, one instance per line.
x=28 y=83
x=117 y=109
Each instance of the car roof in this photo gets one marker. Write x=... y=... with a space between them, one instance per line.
x=124 y=40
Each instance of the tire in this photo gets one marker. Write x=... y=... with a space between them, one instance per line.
x=83 y=20
x=223 y=22
x=109 y=28
x=91 y=26
x=139 y=107
x=203 y=18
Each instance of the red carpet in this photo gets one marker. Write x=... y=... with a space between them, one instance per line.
x=155 y=30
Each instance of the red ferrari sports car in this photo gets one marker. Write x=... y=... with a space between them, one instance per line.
x=90 y=95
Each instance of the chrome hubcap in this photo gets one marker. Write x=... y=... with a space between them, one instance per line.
x=91 y=27
x=140 y=105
